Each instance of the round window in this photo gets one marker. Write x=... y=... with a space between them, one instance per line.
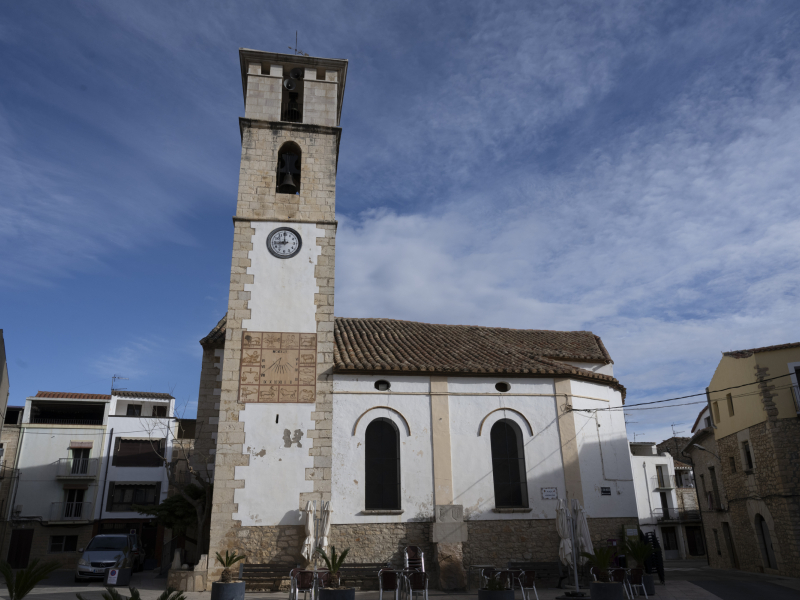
x=382 y=385
x=502 y=386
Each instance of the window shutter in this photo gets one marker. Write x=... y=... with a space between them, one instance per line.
x=110 y=502
x=158 y=493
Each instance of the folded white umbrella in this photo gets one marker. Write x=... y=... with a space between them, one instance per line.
x=562 y=526
x=308 y=543
x=325 y=530
x=583 y=538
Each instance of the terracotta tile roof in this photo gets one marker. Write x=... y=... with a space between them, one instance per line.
x=216 y=337
x=389 y=345
x=154 y=395
x=751 y=351
x=72 y=396
x=682 y=465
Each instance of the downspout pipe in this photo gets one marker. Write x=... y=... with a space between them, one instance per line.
x=710 y=412
x=105 y=477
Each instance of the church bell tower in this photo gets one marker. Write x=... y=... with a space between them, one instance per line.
x=273 y=449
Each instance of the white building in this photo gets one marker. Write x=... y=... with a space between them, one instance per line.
x=455 y=438
x=675 y=521
x=81 y=461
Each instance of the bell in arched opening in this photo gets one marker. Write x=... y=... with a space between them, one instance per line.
x=288 y=176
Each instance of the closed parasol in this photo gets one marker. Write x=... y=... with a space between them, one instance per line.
x=308 y=543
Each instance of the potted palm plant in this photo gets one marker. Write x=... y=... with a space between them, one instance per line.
x=495 y=589
x=226 y=588
x=603 y=589
x=335 y=591
x=639 y=552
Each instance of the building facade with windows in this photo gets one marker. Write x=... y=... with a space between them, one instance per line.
x=747 y=461
x=457 y=439
x=662 y=484
x=80 y=462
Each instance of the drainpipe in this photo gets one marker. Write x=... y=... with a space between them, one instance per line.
x=710 y=412
x=105 y=477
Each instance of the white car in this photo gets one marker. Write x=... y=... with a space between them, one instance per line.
x=109 y=551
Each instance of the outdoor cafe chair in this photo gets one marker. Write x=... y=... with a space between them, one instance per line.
x=619 y=575
x=527 y=581
x=302 y=581
x=636 y=580
x=416 y=581
x=414 y=558
x=389 y=580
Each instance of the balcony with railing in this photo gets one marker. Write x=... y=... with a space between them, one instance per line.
x=663 y=482
x=71 y=511
x=676 y=514
x=77 y=468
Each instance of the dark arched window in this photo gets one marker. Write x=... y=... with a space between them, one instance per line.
x=288 y=173
x=382 y=466
x=508 y=466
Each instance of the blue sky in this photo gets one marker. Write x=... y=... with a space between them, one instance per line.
x=626 y=168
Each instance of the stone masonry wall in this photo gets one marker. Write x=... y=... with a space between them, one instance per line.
x=257 y=200
x=207 y=408
x=529 y=540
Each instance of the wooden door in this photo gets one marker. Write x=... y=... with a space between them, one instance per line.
x=19 y=550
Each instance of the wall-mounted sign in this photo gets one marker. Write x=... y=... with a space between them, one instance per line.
x=605 y=491
x=632 y=532
x=549 y=493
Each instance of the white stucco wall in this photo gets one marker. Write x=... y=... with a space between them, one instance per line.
x=355 y=394
x=276 y=474
x=473 y=483
x=648 y=498
x=605 y=369
x=282 y=292
x=603 y=451
x=40 y=449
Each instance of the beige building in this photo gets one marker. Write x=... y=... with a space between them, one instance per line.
x=747 y=464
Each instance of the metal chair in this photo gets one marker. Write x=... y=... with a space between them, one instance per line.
x=416 y=581
x=620 y=575
x=390 y=581
x=414 y=558
x=636 y=580
x=486 y=575
x=302 y=581
x=527 y=581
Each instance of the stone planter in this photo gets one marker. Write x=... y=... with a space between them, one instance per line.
x=187 y=581
x=227 y=591
x=495 y=595
x=332 y=594
x=599 y=590
x=649 y=584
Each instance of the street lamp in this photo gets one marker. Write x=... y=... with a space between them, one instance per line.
x=699 y=447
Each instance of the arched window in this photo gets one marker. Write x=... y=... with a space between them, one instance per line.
x=382 y=466
x=287 y=179
x=508 y=466
x=765 y=542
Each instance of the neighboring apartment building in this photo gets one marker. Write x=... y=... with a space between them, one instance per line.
x=660 y=489
x=4 y=391
x=80 y=463
x=749 y=467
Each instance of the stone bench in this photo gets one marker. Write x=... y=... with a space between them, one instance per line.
x=266 y=577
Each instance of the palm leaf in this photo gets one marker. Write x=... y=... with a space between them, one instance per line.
x=21 y=582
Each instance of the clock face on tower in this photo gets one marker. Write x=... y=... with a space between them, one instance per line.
x=284 y=242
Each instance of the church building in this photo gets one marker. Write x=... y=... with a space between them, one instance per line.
x=455 y=438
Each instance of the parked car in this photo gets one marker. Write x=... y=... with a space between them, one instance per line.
x=120 y=551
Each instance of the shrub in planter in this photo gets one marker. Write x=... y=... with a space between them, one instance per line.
x=495 y=590
x=335 y=591
x=226 y=588
x=601 y=562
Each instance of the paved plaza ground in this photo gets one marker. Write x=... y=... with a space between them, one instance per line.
x=686 y=580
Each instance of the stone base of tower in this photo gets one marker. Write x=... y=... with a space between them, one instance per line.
x=450 y=564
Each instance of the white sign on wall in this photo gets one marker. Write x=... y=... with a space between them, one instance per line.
x=550 y=493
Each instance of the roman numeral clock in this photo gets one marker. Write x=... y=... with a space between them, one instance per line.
x=278 y=366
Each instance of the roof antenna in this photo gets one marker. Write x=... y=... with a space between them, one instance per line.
x=297 y=51
x=114 y=381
